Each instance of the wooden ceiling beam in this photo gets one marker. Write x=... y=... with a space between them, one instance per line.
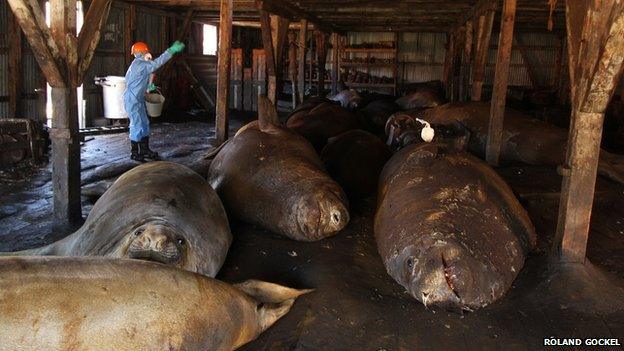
x=292 y=12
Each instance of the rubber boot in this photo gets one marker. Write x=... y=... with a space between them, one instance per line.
x=146 y=151
x=136 y=151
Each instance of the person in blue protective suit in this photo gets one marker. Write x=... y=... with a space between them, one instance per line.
x=137 y=84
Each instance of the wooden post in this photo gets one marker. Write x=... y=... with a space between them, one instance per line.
x=129 y=32
x=64 y=132
x=321 y=50
x=484 y=32
x=15 y=65
x=448 y=64
x=464 y=75
x=265 y=28
x=334 y=71
x=89 y=37
x=223 y=70
x=528 y=63
x=501 y=78
x=292 y=66
x=301 y=58
x=595 y=32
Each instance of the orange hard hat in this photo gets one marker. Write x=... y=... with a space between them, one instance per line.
x=139 y=47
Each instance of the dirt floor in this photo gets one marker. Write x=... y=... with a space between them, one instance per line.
x=356 y=305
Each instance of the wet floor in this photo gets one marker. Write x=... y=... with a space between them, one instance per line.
x=356 y=305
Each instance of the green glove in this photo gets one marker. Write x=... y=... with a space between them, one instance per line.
x=176 y=47
x=151 y=87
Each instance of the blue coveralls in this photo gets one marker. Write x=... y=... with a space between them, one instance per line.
x=137 y=80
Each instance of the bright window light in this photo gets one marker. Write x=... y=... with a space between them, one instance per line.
x=210 y=40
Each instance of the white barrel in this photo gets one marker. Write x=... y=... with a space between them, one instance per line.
x=113 y=88
x=154 y=103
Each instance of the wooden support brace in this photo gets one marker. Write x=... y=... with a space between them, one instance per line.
x=528 y=62
x=89 y=36
x=466 y=59
x=223 y=69
x=30 y=17
x=334 y=70
x=485 y=23
x=501 y=78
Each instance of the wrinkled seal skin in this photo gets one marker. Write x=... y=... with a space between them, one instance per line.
x=159 y=211
x=69 y=303
x=421 y=99
x=525 y=139
x=349 y=99
x=272 y=177
x=322 y=122
x=355 y=159
x=448 y=228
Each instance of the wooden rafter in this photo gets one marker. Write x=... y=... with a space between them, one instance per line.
x=223 y=70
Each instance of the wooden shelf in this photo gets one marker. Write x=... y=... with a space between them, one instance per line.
x=369 y=64
x=378 y=50
x=370 y=85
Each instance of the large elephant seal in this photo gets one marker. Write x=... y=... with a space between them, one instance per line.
x=525 y=139
x=448 y=228
x=63 y=303
x=324 y=121
x=355 y=159
x=159 y=211
x=373 y=116
x=421 y=96
x=270 y=176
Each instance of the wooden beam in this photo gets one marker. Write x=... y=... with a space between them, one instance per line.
x=279 y=31
x=321 y=52
x=292 y=65
x=501 y=78
x=89 y=36
x=129 y=32
x=466 y=59
x=485 y=22
x=334 y=70
x=223 y=70
x=301 y=58
x=14 y=65
x=290 y=11
x=528 y=62
x=64 y=132
x=448 y=64
x=265 y=28
x=30 y=17
x=595 y=46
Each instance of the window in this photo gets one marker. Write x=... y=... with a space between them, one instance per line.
x=210 y=40
x=81 y=102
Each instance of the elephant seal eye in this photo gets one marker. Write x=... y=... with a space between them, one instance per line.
x=138 y=231
x=181 y=241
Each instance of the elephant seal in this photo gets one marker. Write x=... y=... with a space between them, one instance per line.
x=349 y=99
x=322 y=122
x=373 y=116
x=525 y=139
x=158 y=211
x=355 y=159
x=422 y=96
x=69 y=303
x=448 y=228
x=271 y=176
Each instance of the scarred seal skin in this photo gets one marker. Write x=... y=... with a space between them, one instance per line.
x=525 y=139
x=448 y=228
x=70 y=303
x=270 y=176
x=354 y=159
x=159 y=211
x=321 y=122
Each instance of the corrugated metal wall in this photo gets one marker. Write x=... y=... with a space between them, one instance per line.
x=4 y=55
x=422 y=55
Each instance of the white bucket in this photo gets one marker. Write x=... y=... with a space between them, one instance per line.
x=154 y=103
x=113 y=88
